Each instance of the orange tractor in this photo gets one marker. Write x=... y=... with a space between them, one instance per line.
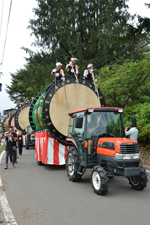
x=97 y=140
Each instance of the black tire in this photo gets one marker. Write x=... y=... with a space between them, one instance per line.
x=39 y=163
x=99 y=180
x=26 y=145
x=139 y=182
x=72 y=164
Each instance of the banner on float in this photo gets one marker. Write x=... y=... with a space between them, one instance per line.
x=48 y=150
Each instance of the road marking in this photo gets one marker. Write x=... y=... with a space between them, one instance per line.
x=9 y=217
x=148 y=171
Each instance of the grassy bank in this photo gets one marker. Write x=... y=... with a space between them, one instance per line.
x=2 y=147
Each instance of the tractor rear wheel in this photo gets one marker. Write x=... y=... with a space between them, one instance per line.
x=99 y=180
x=139 y=182
x=72 y=164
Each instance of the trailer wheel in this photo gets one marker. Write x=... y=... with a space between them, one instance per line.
x=26 y=145
x=39 y=163
x=99 y=180
x=139 y=182
x=72 y=164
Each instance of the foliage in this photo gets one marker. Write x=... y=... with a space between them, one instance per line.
x=119 y=83
x=2 y=147
x=99 y=31
x=142 y=113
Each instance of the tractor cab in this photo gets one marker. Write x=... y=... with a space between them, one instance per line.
x=87 y=126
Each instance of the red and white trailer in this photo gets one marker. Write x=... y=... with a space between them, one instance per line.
x=48 y=150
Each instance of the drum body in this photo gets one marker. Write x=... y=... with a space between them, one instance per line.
x=64 y=98
x=36 y=113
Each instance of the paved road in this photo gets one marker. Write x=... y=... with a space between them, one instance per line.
x=44 y=195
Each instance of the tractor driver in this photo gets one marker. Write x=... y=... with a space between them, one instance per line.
x=93 y=126
x=96 y=127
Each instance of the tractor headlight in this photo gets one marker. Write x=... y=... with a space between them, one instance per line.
x=127 y=156
x=120 y=110
x=118 y=156
x=90 y=110
x=136 y=156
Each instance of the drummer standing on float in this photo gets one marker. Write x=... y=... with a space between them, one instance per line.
x=58 y=72
x=89 y=73
x=72 y=68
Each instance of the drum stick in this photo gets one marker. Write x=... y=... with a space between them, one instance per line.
x=55 y=83
x=76 y=76
x=65 y=92
x=96 y=89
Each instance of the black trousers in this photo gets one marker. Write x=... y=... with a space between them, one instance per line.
x=12 y=155
x=20 y=147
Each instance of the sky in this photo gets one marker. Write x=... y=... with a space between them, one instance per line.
x=18 y=35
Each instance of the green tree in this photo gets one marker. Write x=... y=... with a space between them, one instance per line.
x=142 y=113
x=97 y=31
x=119 y=83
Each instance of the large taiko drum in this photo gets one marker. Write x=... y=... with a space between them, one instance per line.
x=8 y=122
x=5 y=124
x=22 y=117
x=64 y=98
x=36 y=113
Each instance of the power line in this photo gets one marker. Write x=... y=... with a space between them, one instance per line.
x=130 y=52
x=125 y=50
x=6 y=34
x=1 y=16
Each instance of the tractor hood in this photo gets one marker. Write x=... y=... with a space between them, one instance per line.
x=115 y=144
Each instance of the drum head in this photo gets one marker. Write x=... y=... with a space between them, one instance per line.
x=5 y=125
x=12 y=123
x=22 y=117
x=68 y=97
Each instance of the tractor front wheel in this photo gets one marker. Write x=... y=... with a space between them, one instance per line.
x=72 y=164
x=139 y=182
x=99 y=180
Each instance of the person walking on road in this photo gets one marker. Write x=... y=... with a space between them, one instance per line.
x=20 y=142
x=10 y=147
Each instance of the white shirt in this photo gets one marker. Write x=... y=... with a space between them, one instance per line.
x=133 y=132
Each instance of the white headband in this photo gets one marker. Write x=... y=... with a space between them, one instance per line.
x=58 y=64
x=73 y=59
x=89 y=65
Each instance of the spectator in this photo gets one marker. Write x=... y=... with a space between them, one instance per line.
x=132 y=132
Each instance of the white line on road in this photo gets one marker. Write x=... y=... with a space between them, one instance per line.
x=9 y=217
